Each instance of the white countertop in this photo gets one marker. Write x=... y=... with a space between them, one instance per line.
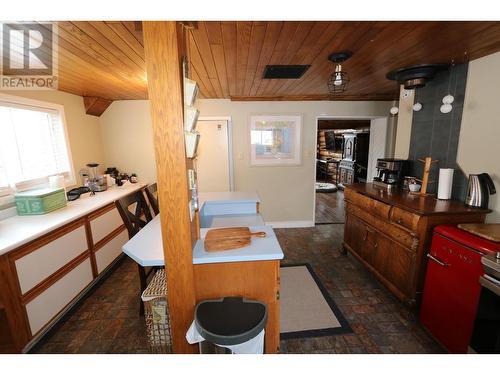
x=266 y=248
x=18 y=230
x=146 y=247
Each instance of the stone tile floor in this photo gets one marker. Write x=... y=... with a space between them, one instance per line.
x=108 y=321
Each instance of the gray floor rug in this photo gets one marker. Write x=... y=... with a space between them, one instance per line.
x=307 y=310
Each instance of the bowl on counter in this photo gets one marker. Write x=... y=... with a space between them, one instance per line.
x=414 y=188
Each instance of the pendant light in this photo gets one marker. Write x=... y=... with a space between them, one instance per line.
x=339 y=79
x=448 y=99
x=417 y=106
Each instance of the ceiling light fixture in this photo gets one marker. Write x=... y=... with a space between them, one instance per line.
x=339 y=79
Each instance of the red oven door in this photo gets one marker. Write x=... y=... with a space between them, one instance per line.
x=451 y=292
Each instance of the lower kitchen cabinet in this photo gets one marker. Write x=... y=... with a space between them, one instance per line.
x=41 y=280
x=390 y=233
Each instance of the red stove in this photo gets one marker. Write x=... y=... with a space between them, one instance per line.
x=451 y=290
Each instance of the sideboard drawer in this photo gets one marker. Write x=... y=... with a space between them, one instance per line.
x=104 y=224
x=368 y=204
x=51 y=301
x=47 y=259
x=404 y=218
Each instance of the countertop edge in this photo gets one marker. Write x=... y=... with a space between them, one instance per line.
x=63 y=222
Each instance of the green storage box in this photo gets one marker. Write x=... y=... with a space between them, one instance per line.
x=40 y=201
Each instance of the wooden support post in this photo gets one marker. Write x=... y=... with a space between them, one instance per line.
x=164 y=46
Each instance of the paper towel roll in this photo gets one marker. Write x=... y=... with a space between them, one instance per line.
x=445 y=183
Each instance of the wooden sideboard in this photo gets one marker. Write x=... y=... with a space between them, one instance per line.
x=42 y=279
x=390 y=233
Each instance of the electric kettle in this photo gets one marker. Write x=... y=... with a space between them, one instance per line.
x=479 y=189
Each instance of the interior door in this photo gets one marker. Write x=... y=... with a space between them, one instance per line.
x=212 y=162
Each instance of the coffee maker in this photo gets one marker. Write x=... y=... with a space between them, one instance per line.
x=390 y=172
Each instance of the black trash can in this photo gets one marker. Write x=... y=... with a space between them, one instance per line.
x=228 y=321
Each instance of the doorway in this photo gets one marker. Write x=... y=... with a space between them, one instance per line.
x=214 y=156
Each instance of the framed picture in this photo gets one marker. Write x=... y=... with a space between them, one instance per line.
x=275 y=140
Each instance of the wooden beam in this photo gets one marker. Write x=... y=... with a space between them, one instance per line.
x=381 y=97
x=95 y=106
x=164 y=45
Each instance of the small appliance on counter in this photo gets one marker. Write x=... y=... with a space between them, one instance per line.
x=390 y=172
x=479 y=189
x=452 y=286
x=96 y=182
x=40 y=201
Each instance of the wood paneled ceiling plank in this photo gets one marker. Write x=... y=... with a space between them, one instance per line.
x=95 y=34
x=220 y=65
x=244 y=31
x=295 y=43
x=197 y=61
x=195 y=76
x=214 y=32
x=318 y=38
x=271 y=38
x=256 y=44
x=113 y=37
x=290 y=38
x=98 y=55
x=229 y=41
x=200 y=39
x=131 y=26
x=72 y=66
x=120 y=29
x=353 y=37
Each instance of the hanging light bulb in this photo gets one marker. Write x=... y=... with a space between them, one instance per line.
x=394 y=110
x=337 y=83
x=338 y=75
x=417 y=106
x=448 y=99
x=446 y=108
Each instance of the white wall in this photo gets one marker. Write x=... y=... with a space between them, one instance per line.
x=380 y=140
x=404 y=122
x=479 y=145
x=83 y=130
x=287 y=193
x=127 y=136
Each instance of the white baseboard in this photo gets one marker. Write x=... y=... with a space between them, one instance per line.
x=291 y=224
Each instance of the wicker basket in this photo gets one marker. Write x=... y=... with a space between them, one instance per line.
x=156 y=314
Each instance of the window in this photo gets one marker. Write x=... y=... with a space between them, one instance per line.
x=33 y=144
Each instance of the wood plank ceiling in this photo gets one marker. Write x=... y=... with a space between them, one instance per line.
x=105 y=59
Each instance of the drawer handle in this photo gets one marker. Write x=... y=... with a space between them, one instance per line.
x=433 y=258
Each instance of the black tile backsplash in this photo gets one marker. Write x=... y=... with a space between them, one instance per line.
x=436 y=134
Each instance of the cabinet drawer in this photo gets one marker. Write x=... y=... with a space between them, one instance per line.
x=50 y=302
x=404 y=237
x=110 y=251
x=404 y=218
x=104 y=224
x=44 y=261
x=370 y=205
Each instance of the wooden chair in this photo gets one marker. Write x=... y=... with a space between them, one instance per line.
x=152 y=198
x=135 y=220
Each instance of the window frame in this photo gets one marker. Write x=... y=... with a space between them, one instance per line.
x=70 y=179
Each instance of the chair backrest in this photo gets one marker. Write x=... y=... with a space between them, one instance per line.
x=152 y=198
x=140 y=216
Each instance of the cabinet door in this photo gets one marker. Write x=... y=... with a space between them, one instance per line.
x=359 y=237
x=395 y=263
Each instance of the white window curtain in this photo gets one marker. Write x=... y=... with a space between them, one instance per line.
x=32 y=147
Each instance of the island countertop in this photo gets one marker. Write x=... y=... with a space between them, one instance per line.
x=18 y=230
x=421 y=205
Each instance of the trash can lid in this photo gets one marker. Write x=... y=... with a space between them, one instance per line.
x=230 y=320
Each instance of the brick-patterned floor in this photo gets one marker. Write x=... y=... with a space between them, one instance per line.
x=108 y=320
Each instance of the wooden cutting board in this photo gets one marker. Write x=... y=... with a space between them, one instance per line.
x=489 y=231
x=229 y=238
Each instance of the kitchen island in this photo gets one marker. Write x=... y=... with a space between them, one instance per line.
x=390 y=230
x=251 y=272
